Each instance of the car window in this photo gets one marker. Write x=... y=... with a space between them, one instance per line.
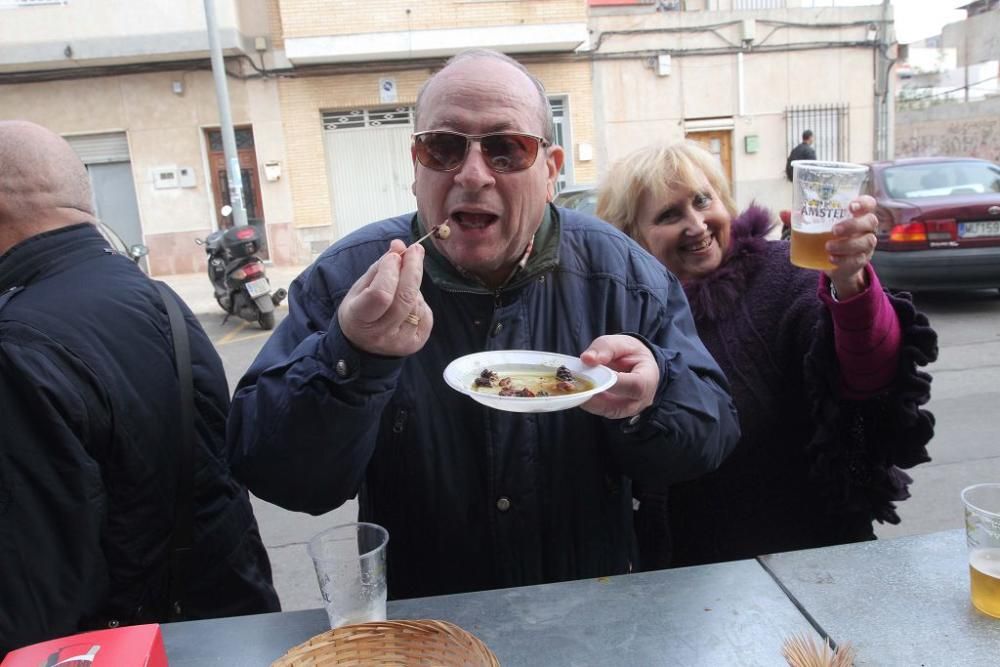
x=588 y=202
x=584 y=201
x=941 y=179
x=868 y=187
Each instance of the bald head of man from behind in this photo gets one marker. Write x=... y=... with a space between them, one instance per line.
x=89 y=441
x=43 y=184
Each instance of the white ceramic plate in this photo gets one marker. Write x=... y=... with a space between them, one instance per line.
x=462 y=372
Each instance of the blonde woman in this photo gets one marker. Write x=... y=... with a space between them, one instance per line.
x=823 y=366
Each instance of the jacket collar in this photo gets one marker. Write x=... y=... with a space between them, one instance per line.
x=49 y=251
x=543 y=257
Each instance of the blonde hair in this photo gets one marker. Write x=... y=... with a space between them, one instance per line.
x=657 y=169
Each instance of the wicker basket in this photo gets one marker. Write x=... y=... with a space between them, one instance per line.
x=402 y=643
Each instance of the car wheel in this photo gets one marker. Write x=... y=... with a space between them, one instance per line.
x=266 y=321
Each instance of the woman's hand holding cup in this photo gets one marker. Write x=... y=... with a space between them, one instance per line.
x=852 y=247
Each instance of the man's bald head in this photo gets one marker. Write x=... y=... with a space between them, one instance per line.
x=43 y=184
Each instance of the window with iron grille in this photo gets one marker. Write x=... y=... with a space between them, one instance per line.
x=354 y=119
x=829 y=125
x=560 y=120
x=244 y=139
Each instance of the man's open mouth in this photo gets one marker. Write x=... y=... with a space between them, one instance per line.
x=473 y=220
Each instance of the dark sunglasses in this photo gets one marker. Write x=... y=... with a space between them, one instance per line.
x=505 y=152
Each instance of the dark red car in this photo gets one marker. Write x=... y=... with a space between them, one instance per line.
x=939 y=223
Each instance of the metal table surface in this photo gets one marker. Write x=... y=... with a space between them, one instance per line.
x=903 y=601
x=724 y=614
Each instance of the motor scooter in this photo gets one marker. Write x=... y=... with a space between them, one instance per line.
x=237 y=274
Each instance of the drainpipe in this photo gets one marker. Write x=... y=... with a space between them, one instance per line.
x=883 y=65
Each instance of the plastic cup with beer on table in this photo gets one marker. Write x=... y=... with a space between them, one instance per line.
x=821 y=195
x=982 y=532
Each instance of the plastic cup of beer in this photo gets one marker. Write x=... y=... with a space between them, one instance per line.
x=350 y=568
x=982 y=532
x=821 y=194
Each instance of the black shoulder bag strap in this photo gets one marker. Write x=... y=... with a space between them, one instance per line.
x=181 y=537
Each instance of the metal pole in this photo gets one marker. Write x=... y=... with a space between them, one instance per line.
x=233 y=173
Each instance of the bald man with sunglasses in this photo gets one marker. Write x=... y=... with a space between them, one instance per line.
x=347 y=397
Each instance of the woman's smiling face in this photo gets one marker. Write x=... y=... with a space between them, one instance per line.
x=686 y=228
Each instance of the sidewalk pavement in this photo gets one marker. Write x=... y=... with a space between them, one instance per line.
x=196 y=290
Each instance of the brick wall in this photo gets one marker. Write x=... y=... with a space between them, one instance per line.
x=574 y=81
x=310 y=18
x=274 y=24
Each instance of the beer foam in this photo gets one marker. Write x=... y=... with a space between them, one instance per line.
x=986 y=561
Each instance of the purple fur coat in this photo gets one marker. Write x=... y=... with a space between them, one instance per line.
x=810 y=469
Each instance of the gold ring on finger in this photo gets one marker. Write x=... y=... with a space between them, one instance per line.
x=413 y=319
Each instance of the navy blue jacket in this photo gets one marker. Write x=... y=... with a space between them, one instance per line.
x=475 y=498
x=89 y=400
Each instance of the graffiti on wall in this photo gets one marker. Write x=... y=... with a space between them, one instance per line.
x=968 y=137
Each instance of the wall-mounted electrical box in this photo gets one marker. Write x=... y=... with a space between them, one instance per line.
x=165 y=177
x=663 y=64
x=185 y=177
x=272 y=171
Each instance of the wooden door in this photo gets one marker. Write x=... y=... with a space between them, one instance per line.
x=720 y=144
x=251 y=181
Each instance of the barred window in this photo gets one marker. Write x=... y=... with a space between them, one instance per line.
x=560 y=119
x=352 y=119
x=244 y=139
x=829 y=124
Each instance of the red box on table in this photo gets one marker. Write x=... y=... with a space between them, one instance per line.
x=132 y=646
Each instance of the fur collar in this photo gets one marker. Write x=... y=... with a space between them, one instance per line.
x=715 y=294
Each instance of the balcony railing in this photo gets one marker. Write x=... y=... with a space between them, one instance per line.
x=747 y=5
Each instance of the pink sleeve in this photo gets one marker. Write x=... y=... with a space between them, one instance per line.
x=867 y=338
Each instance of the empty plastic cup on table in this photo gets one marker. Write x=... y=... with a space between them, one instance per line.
x=350 y=568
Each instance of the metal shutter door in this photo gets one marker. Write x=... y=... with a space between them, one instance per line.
x=100 y=148
x=370 y=175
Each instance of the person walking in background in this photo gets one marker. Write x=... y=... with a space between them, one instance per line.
x=347 y=397
x=824 y=369
x=89 y=395
x=803 y=151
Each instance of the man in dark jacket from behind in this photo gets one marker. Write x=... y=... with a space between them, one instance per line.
x=89 y=399
x=803 y=151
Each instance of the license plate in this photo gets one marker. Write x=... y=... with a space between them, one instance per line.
x=971 y=230
x=259 y=287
